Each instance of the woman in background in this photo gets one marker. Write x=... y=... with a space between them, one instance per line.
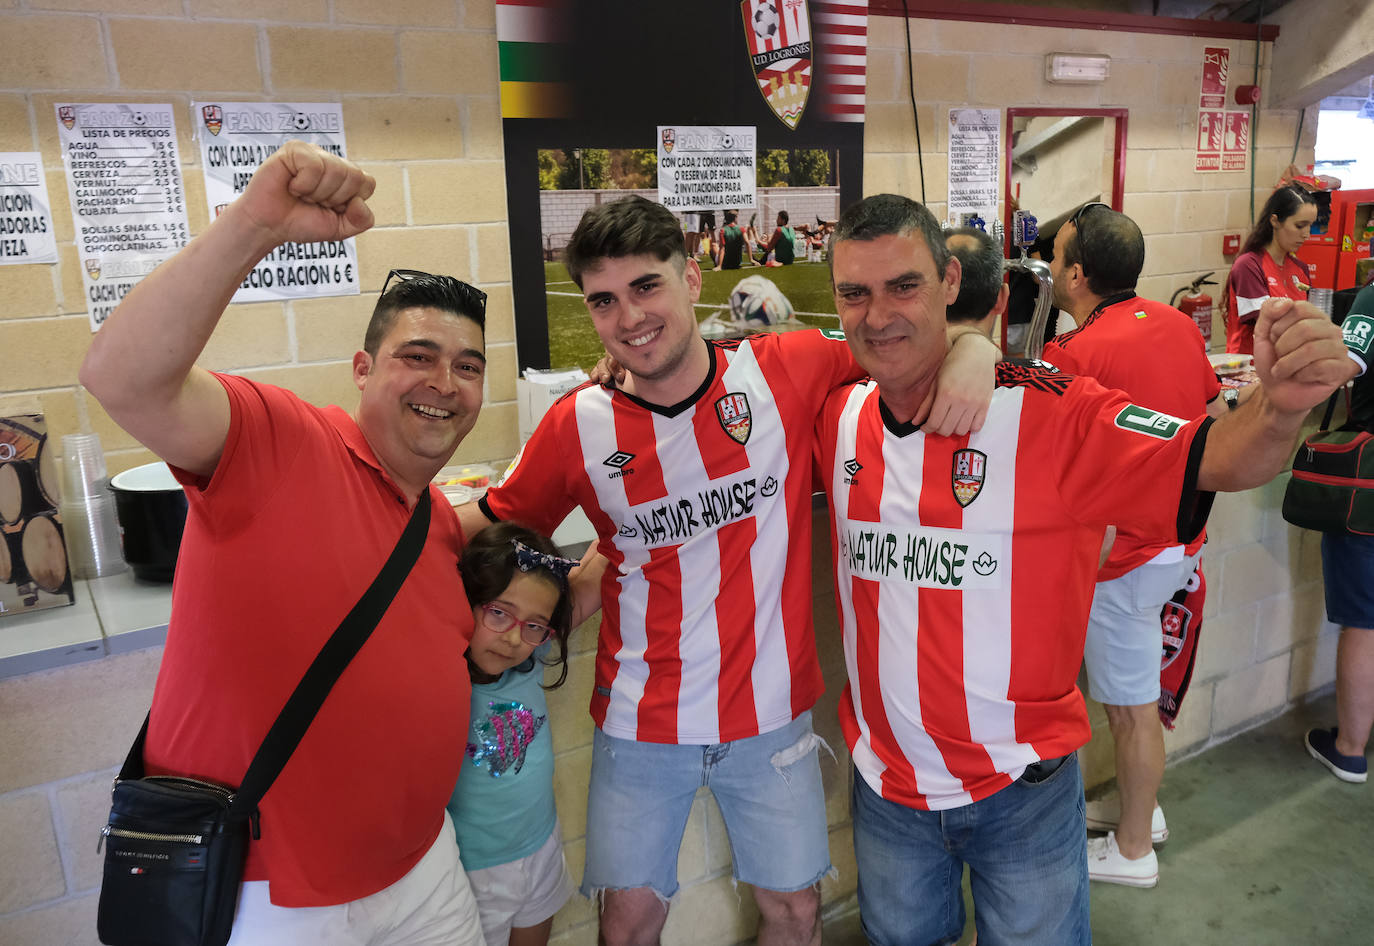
x=1266 y=265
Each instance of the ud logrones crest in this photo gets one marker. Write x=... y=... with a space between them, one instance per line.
x=778 y=35
x=213 y=115
x=732 y=411
x=966 y=475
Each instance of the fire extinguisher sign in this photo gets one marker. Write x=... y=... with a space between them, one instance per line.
x=1223 y=136
x=1210 y=128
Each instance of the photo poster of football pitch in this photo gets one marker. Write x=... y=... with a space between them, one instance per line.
x=586 y=84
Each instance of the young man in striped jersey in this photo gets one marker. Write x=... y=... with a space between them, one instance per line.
x=964 y=571
x=696 y=473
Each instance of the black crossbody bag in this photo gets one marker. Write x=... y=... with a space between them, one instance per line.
x=175 y=847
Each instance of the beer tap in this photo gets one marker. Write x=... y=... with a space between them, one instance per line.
x=1024 y=233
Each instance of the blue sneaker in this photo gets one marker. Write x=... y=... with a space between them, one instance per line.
x=1321 y=745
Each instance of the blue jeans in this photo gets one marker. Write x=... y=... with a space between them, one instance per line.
x=1027 y=855
x=768 y=789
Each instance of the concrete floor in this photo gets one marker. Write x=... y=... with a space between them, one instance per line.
x=1265 y=848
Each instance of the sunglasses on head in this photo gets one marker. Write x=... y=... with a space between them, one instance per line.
x=470 y=295
x=1077 y=219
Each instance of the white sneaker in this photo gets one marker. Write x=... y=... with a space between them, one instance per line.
x=1107 y=864
x=1105 y=815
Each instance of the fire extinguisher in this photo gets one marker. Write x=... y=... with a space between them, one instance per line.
x=1196 y=304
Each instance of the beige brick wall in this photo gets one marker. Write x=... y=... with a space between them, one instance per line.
x=1183 y=213
x=418 y=83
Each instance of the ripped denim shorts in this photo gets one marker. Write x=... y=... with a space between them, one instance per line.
x=767 y=787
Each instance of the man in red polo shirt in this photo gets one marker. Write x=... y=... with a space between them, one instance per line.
x=293 y=510
x=1155 y=354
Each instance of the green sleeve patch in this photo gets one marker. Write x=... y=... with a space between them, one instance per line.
x=1358 y=332
x=1142 y=420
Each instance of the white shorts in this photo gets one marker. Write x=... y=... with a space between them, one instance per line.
x=522 y=893
x=1125 y=643
x=432 y=905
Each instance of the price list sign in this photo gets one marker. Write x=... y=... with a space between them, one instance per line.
x=124 y=181
x=975 y=144
x=236 y=137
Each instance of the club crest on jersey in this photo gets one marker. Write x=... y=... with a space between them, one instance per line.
x=1175 y=620
x=733 y=413
x=966 y=475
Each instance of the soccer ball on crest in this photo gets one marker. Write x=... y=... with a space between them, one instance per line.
x=766 y=24
x=757 y=301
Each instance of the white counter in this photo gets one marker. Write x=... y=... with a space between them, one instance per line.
x=111 y=615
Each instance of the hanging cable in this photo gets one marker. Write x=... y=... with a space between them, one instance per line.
x=1297 y=139
x=1254 y=110
x=911 y=89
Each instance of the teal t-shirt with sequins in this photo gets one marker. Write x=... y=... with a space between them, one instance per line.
x=502 y=807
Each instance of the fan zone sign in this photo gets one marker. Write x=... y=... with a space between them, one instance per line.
x=778 y=33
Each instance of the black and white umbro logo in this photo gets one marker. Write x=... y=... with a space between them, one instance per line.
x=619 y=461
x=851 y=466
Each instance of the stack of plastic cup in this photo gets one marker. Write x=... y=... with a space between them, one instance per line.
x=1321 y=298
x=88 y=509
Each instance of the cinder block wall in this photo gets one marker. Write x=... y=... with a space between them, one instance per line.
x=419 y=88
x=1265 y=640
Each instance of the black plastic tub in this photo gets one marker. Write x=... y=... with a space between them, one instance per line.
x=151 y=507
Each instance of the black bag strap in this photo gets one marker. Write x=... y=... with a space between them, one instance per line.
x=1330 y=408
x=305 y=702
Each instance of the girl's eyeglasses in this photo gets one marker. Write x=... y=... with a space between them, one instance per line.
x=500 y=620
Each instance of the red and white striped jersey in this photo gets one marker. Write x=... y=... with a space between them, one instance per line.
x=704 y=512
x=965 y=568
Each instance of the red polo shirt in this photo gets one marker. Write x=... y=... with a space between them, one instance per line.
x=279 y=544
x=1156 y=355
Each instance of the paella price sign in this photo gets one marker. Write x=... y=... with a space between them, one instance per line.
x=124 y=181
x=235 y=138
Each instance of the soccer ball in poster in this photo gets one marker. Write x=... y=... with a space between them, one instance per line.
x=766 y=24
x=757 y=300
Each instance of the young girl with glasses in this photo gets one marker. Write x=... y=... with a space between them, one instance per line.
x=503 y=808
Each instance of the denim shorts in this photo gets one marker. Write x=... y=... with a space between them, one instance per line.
x=1348 y=570
x=1026 y=849
x=768 y=789
x=1124 y=646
